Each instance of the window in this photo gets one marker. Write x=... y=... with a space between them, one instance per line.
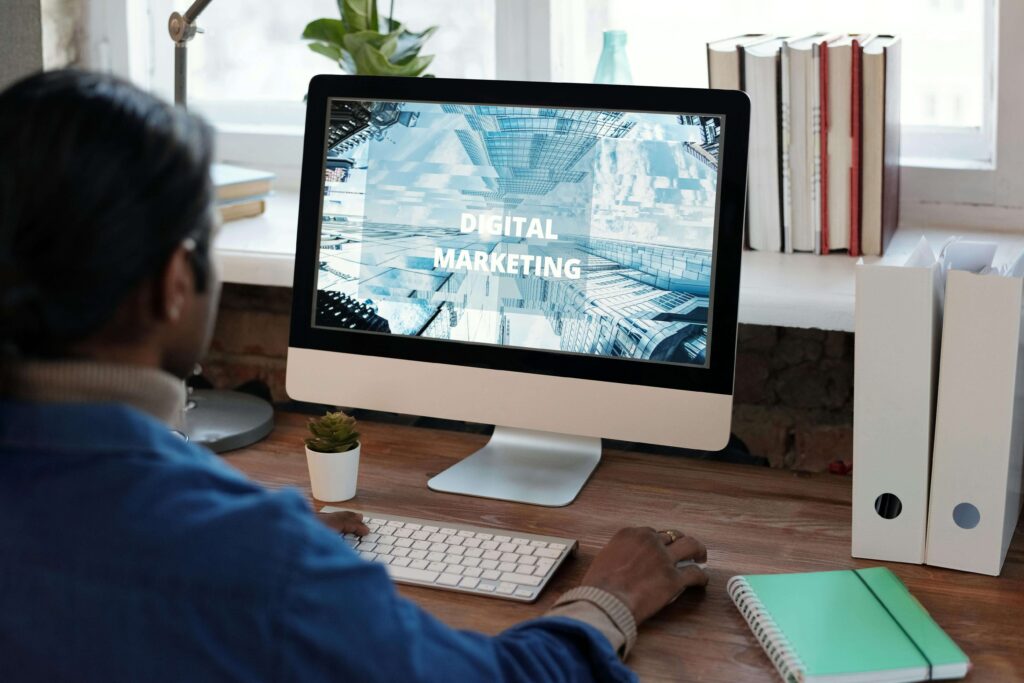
x=945 y=89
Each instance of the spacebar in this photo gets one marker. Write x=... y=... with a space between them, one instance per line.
x=410 y=574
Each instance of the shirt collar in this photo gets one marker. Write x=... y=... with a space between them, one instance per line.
x=152 y=391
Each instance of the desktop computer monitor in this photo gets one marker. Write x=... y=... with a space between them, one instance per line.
x=559 y=260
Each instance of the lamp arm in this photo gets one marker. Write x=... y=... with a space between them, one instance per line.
x=182 y=28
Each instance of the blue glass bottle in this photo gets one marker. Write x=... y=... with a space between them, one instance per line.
x=613 y=67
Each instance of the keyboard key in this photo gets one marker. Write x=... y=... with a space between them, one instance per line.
x=509 y=557
x=539 y=570
x=411 y=574
x=506 y=588
x=403 y=533
x=489 y=545
x=526 y=550
x=455 y=569
x=400 y=552
x=547 y=552
x=472 y=571
x=439 y=547
x=438 y=538
x=524 y=592
x=431 y=529
x=465 y=533
x=437 y=566
x=507 y=566
x=386 y=540
x=455 y=540
x=521 y=541
x=418 y=554
x=420 y=545
x=396 y=523
x=539 y=544
x=491 y=574
x=502 y=539
x=521 y=579
x=367 y=547
x=489 y=564
x=435 y=557
x=401 y=561
x=383 y=559
x=528 y=559
x=371 y=538
x=474 y=552
x=449 y=580
x=472 y=542
x=486 y=587
x=504 y=547
x=448 y=531
x=456 y=550
x=404 y=543
x=524 y=569
x=470 y=561
x=366 y=555
x=556 y=546
x=419 y=564
x=420 y=535
x=491 y=555
x=469 y=582
x=484 y=536
x=411 y=525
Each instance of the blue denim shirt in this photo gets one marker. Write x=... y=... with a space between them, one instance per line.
x=127 y=554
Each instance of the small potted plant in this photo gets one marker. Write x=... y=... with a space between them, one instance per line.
x=332 y=454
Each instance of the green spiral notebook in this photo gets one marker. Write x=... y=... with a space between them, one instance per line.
x=852 y=626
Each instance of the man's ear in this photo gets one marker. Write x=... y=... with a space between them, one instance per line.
x=175 y=288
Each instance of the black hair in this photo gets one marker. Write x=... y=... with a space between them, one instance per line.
x=100 y=182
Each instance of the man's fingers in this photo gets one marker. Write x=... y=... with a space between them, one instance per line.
x=690 y=576
x=347 y=522
x=687 y=548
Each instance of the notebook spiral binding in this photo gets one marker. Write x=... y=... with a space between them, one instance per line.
x=776 y=646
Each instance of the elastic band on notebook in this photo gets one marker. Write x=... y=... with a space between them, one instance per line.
x=893 y=616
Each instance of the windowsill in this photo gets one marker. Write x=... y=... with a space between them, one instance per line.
x=947 y=164
x=788 y=290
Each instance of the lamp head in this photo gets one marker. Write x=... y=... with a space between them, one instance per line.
x=180 y=28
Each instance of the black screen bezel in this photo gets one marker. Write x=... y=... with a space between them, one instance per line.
x=734 y=106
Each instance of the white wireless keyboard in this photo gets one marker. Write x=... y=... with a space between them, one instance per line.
x=494 y=562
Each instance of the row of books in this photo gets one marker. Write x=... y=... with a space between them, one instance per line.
x=823 y=173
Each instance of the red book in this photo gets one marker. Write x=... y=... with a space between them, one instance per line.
x=823 y=83
x=855 y=134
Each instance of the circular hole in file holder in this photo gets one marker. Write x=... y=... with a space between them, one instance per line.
x=966 y=516
x=888 y=506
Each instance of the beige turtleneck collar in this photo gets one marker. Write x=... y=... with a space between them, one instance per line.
x=155 y=392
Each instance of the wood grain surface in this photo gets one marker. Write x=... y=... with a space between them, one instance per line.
x=753 y=520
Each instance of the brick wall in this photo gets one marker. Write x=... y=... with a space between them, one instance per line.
x=794 y=388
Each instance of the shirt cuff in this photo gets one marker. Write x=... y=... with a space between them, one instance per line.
x=601 y=610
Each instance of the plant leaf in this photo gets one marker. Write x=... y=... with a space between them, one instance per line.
x=410 y=43
x=385 y=43
x=330 y=51
x=330 y=31
x=359 y=14
x=370 y=61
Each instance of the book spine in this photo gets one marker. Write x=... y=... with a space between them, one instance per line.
x=785 y=156
x=815 y=143
x=823 y=149
x=765 y=630
x=855 y=134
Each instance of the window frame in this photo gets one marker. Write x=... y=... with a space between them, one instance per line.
x=960 y=192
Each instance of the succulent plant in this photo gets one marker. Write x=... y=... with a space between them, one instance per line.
x=333 y=433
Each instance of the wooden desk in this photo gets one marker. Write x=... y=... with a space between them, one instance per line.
x=753 y=520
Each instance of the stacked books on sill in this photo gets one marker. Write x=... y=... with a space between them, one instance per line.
x=241 y=192
x=823 y=173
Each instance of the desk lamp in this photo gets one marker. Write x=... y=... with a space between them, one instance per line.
x=219 y=420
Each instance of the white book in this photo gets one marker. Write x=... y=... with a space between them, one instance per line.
x=785 y=145
x=764 y=204
x=979 y=424
x=802 y=63
x=840 y=140
x=725 y=60
x=898 y=328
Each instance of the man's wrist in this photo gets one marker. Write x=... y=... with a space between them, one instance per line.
x=614 y=608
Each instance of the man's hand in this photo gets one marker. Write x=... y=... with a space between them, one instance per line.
x=638 y=566
x=345 y=522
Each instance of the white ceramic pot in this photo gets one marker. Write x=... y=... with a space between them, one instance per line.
x=333 y=476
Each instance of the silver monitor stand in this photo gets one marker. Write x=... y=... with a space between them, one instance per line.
x=524 y=466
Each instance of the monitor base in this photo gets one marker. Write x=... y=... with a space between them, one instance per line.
x=524 y=466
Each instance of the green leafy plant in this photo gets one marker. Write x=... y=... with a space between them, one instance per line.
x=361 y=43
x=333 y=433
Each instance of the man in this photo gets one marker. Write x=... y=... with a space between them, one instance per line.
x=127 y=554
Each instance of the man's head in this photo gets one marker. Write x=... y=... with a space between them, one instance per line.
x=106 y=214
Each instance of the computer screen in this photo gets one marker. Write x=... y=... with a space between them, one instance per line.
x=567 y=230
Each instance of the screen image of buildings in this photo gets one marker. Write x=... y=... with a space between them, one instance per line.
x=630 y=196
